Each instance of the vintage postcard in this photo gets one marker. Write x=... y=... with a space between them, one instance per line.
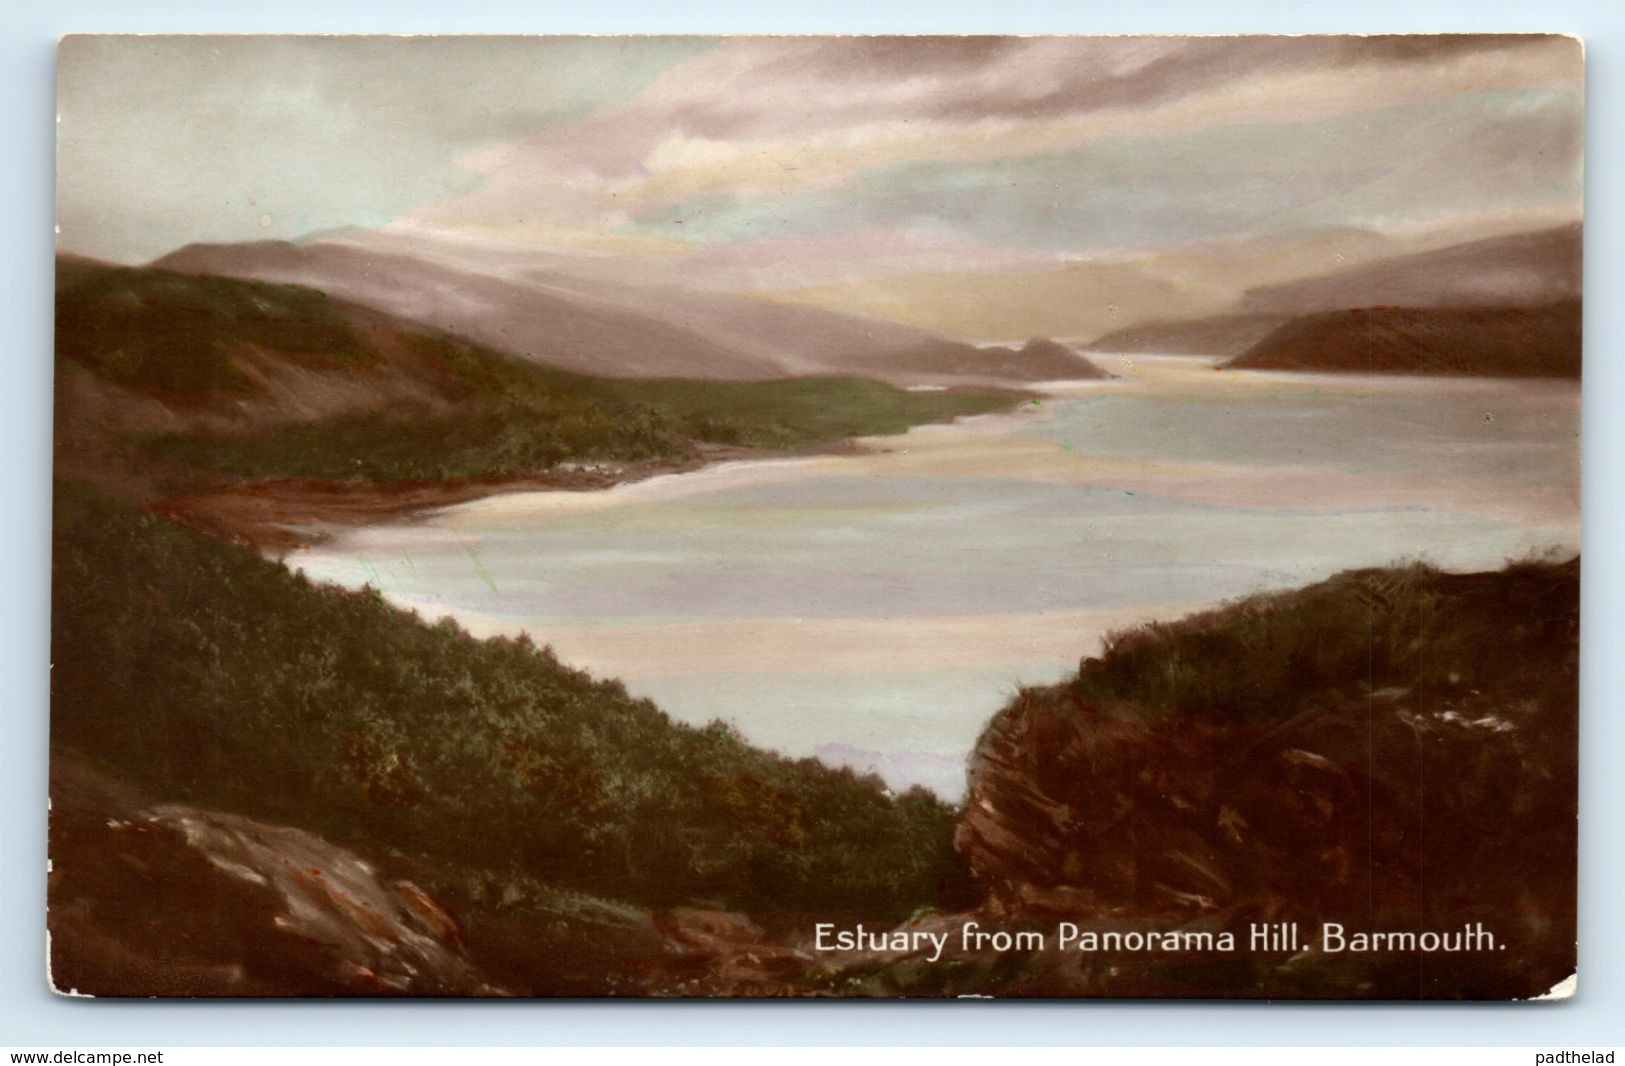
x=817 y=516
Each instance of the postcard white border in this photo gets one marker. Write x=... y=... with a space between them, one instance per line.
x=30 y=1016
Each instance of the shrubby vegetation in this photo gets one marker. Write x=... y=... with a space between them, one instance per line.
x=1269 y=657
x=378 y=447
x=531 y=418
x=178 y=337
x=166 y=332
x=1389 y=749
x=799 y=412
x=212 y=676
x=215 y=677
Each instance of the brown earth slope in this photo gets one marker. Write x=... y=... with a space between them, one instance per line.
x=171 y=899
x=1388 y=750
x=166 y=899
x=1484 y=341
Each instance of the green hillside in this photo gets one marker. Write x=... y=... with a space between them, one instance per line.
x=253 y=368
x=209 y=675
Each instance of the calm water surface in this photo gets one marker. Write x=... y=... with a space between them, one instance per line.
x=874 y=610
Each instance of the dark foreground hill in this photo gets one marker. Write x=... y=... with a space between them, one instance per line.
x=1480 y=341
x=1387 y=750
x=200 y=675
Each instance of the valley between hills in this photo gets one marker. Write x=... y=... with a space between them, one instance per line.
x=266 y=784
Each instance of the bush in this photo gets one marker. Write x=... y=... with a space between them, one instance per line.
x=212 y=676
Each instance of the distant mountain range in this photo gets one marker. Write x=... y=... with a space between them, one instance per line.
x=173 y=387
x=1502 y=306
x=585 y=322
x=1518 y=270
x=1083 y=299
x=637 y=319
x=1227 y=335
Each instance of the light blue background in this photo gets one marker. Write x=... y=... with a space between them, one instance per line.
x=30 y=1016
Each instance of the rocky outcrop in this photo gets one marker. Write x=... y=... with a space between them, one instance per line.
x=170 y=899
x=1424 y=806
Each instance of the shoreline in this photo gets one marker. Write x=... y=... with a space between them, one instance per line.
x=276 y=516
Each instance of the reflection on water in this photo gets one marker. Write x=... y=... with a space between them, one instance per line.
x=876 y=609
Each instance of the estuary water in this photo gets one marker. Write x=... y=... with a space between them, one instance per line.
x=874 y=610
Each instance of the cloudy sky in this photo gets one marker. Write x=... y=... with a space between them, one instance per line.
x=953 y=151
